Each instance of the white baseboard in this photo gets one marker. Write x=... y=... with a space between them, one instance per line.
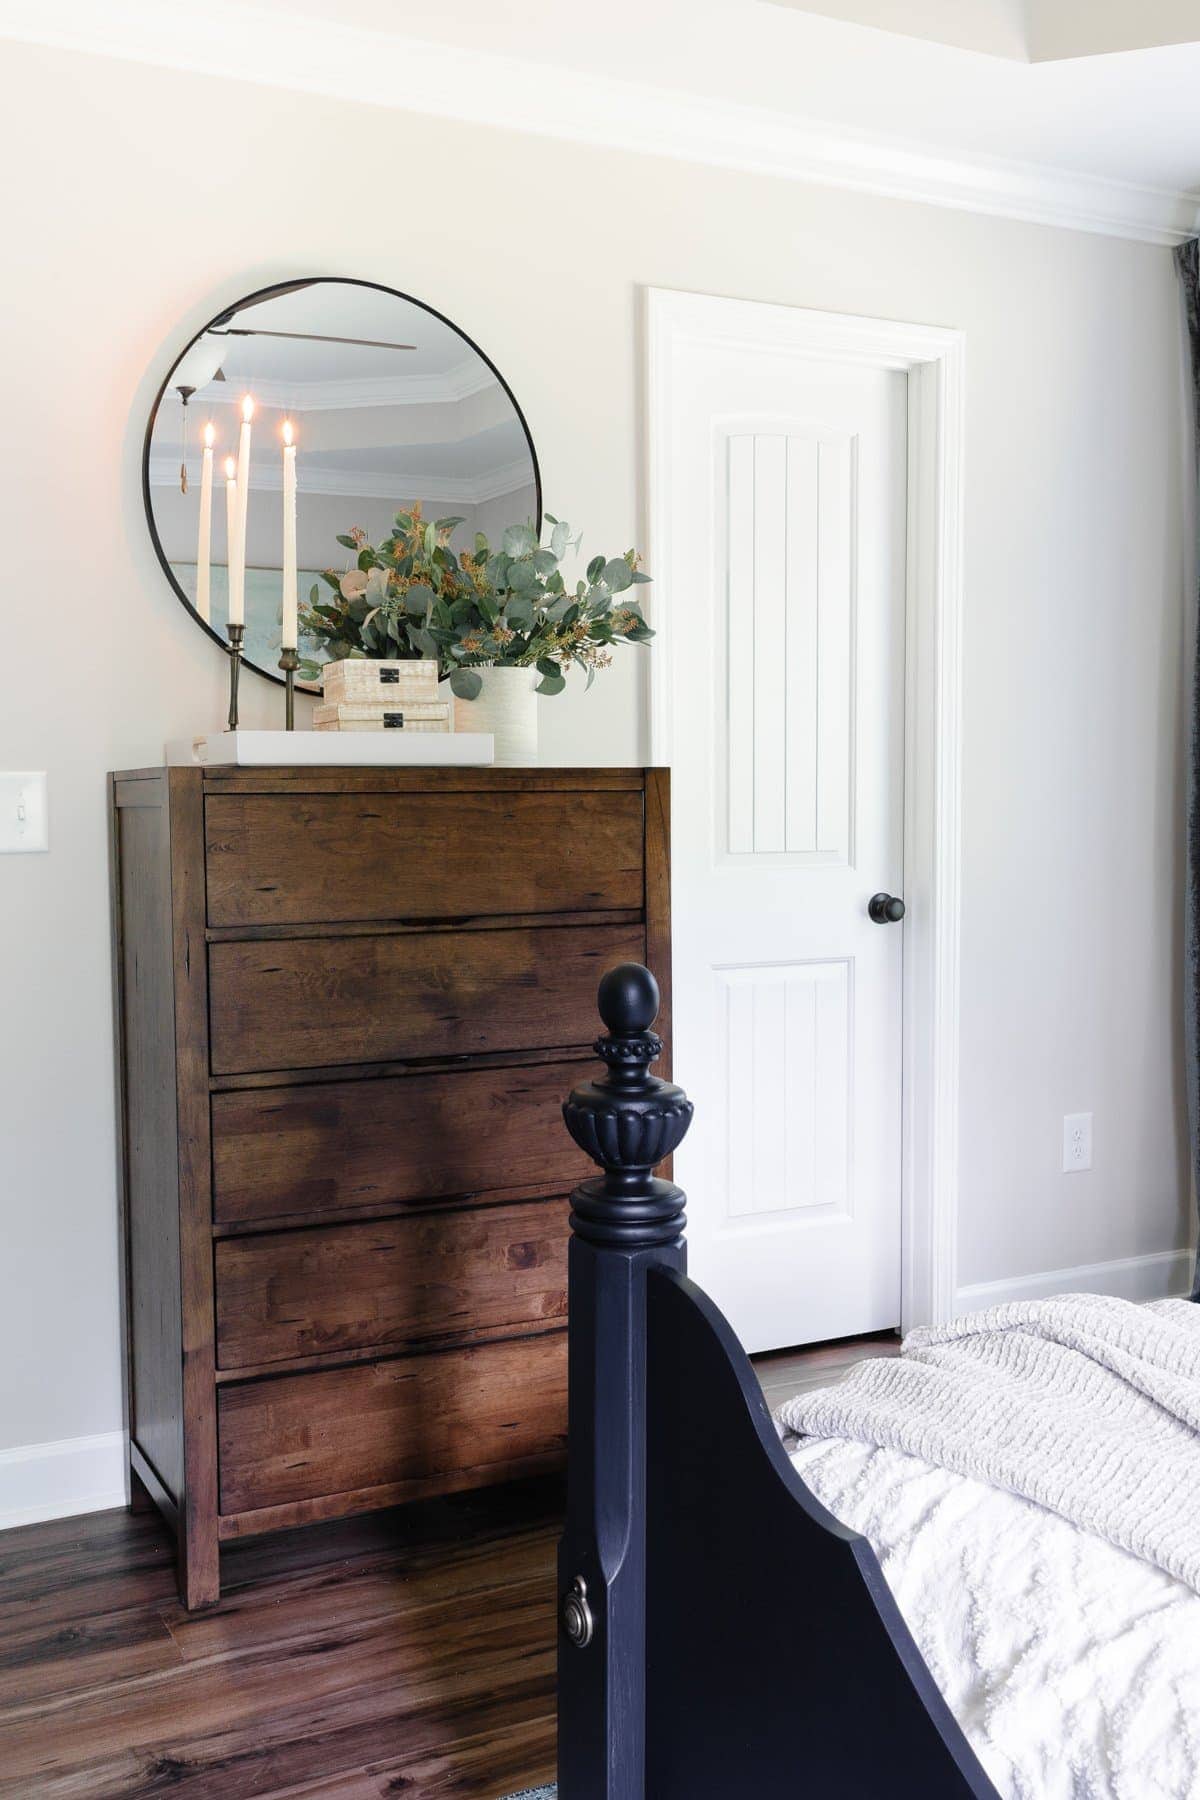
x=58 y=1480
x=1169 y=1272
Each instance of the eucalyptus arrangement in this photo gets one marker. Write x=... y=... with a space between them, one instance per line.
x=413 y=596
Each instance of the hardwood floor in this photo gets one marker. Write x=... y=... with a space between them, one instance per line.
x=406 y=1653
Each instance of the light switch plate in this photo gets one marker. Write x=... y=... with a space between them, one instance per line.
x=23 y=823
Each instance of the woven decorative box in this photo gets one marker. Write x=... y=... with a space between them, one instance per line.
x=396 y=715
x=362 y=681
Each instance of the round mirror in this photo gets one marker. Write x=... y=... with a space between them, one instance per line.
x=322 y=408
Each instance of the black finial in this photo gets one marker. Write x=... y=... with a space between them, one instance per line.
x=628 y=1122
x=628 y=1002
x=627 y=999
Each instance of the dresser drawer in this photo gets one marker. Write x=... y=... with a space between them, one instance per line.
x=303 y=1003
x=339 y=1145
x=388 y=1431
x=337 y=858
x=395 y=1283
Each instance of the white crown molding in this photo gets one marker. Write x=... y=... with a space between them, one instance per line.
x=317 y=56
x=459 y=383
x=367 y=484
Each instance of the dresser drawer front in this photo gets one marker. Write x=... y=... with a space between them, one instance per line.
x=398 y=1282
x=312 y=1003
x=337 y=1146
x=455 y=1418
x=339 y=858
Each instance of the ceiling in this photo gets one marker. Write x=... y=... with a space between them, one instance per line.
x=1026 y=30
x=1034 y=108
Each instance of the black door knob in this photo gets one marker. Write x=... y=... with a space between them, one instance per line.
x=886 y=909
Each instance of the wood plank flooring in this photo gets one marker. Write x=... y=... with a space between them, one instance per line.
x=408 y=1653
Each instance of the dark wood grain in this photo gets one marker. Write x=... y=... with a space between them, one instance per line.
x=449 y=782
x=406 y=1653
x=338 y=1146
x=414 y=1424
x=355 y=1119
x=198 y=1507
x=443 y=993
x=147 y=1071
x=464 y=1276
x=335 y=858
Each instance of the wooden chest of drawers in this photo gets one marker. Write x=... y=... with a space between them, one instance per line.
x=350 y=1003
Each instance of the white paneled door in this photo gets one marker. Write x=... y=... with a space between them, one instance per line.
x=782 y=498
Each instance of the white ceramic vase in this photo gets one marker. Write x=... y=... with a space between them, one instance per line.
x=507 y=707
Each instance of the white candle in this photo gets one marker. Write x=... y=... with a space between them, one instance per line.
x=237 y=565
x=231 y=514
x=204 y=542
x=289 y=637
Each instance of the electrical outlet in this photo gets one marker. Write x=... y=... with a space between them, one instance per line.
x=23 y=811
x=1077 y=1142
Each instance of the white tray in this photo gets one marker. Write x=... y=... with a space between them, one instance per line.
x=335 y=749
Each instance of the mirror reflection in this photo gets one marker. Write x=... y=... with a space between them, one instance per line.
x=322 y=408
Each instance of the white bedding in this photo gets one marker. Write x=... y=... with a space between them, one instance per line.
x=1072 y=1663
x=1072 y=1666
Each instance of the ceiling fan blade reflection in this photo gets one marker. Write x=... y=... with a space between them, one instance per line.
x=310 y=337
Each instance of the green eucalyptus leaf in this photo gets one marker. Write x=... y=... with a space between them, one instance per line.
x=595 y=569
x=551 y=684
x=548 y=668
x=560 y=537
x=519 y=540
x=640 y=577
x=617 y=575
x=465 y=683
x=346 y=541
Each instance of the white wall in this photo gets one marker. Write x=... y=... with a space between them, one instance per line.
x=145 y=199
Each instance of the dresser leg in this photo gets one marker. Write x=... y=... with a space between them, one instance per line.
x=199 y=1569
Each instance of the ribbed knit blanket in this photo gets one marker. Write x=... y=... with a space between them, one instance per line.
x=1088 y=1405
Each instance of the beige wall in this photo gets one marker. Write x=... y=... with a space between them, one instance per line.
x=138 y=201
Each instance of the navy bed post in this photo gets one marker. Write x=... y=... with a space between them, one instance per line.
x=721 y=1633
x=623 y=1223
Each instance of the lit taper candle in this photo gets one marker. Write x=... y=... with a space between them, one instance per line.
x=289 y=638
x=237 y=565
x=204 y=541
x=231 y=514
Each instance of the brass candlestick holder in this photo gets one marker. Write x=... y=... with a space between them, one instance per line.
x=236 y=634
x=289 y=662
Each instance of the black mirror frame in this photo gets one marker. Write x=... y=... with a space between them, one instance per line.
x=269 y=293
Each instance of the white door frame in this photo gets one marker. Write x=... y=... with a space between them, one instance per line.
x=933 y=359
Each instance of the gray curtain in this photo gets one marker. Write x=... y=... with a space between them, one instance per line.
x=1187 y=261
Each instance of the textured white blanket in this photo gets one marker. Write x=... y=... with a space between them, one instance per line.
x=1072 y=1667
x=1088 y=1405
